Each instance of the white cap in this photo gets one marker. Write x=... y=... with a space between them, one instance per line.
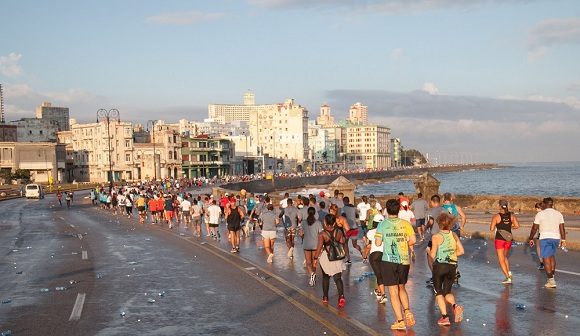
x=378 y=218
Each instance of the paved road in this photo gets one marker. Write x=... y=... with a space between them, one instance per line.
x=117 y=266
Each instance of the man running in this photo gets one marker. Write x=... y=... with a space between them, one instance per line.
x=214 y=212
x=550 y=222
x=420 y=208
x=433 y=226
x=398 y=237
x=455 y=211
x=290 y=221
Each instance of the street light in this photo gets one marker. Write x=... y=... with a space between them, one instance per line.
x=153 y=122
x=108 y=115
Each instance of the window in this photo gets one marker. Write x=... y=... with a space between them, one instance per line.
x=127 y=157
x=170 y=155
x=127 y=143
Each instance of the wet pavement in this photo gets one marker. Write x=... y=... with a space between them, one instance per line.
x=112 y=266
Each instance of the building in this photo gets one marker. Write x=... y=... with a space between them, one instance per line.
x=325 y=118
x=367 y=147
x=281 y=131
x=44 y=160
x=358 y=114
x=396 y=152
x=204 y=156
x=211 y=128
x=8 y=133
x=36 y=130
x=227 y=113
x=58 y=114
x=165 y=141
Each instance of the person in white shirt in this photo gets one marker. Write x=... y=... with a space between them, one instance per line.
x=362 y=209
x=375 y=258
x=550 y=222
x=185 y=206
x=284 y=202
x=214 y=212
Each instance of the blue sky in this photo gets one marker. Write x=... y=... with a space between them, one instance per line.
x=172 y=58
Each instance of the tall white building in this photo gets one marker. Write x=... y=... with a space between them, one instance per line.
x=227 y=113
x=280 y=131
x=358 y=114
x=367 y=146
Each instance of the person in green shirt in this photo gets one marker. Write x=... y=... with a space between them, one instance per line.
x=397 y=236
x=445 y=250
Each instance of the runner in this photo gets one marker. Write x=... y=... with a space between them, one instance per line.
x=311 y=227
x=432 y=226
x=168 y=210
x=234 y=216
x=341 y=224
x=160 y=213
x=420 y=208
x=550 y=222
x=153 y=209
x=68 y=199
x=214 y=213
x=398 y=237
x=446 y=248
x=59 y=197
x=186 y=211
x=333 y=269
x=409 y=216
x=349 y=213
x=375 y=258
x=128 y=206
x=290 y=221
x=455 y=211
x=141 y=203
x=503 y=223
x=269 y=223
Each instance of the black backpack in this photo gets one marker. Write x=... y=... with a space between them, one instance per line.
x=335 y=248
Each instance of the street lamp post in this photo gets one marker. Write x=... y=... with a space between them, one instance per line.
x=108 y=116
x=153 y=122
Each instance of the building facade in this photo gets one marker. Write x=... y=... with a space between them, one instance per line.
x=45 y=161
x=8 y=133
x=281 y=131
x=60 y=115
x=36 y=130
x=367 y=147
x=204 y=156
x=157 y=152
x=227 y=113
x=325 y=119
x=358 y=114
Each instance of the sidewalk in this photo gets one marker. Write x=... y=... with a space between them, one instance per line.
x=478 y=225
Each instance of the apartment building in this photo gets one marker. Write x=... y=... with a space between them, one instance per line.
x=367 y=146
x=205 y=156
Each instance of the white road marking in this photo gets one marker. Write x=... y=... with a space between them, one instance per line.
x=249 y=268
x=85 y=255
x=75 y=315
x=567 y=272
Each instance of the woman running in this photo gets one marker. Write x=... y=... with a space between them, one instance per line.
x=311 y=227
x=341 y=224
x=445 y=250
x=330 y=268
x=503 y=223
x=269 y=222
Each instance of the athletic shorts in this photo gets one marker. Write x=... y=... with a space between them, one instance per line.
x=213 y=225
x=548 y=247
x=443 y=277
x=420 y=222
x=196 y=221
x=269 y=235
x=394 y=274
x=140 y=208
x=375 y=259
x=168 y=214
x=352 y=234
x=234 y=227
x=503 y=245
x=430 y=244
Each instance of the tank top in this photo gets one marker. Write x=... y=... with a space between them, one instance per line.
x=505 y=223
x=452 y=210
x=234 y=217
x=447 y=251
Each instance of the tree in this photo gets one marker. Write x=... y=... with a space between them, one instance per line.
x=21 y=174
x=412 y=157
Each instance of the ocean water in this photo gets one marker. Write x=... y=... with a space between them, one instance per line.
x=533 y=179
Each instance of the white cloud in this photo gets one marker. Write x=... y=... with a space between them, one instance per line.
x=430 y=88
x=555 y=31
x=9 y=65
x=184 y=18
x=570 y=100
x=396 y=54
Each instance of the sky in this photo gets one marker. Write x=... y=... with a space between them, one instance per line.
x=462 y=80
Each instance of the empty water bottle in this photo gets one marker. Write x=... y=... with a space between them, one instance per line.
x=564 y=248
x=123 y=314
x=6 y=333
x=151 y=301
x=44 y=290
x=6 y=301
x=60 y=288
x=162 y=293
x=520 y=306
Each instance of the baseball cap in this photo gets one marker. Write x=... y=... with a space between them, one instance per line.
x=404 y=203
x=378 y=218
x=503 y=203
x=321 y=193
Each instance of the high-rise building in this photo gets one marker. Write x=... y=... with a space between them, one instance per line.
x=226 y=113
x=280 y=131
x=59 y=114
x=358 y=114
x=367 y=146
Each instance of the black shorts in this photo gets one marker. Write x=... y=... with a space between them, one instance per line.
x=234 y=227
x=394 y=274
x=419 y=222
x=140 y=208
x=211 y=225
x=430 y=244
x=375 y=259
x=443 y=277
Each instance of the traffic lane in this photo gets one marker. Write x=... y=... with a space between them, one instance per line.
x=45 y=255
x=202 y=295
x=481 y=290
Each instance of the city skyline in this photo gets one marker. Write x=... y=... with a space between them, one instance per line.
x=497 y=78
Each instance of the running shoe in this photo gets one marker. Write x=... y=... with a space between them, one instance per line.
x=507 y=281
x=341 y=302
x=399 y=325
x=383 y=299
x=290 y=252
x=233 y=250
x=378 y=294
x=270 y=258
x=311 y=281
x=551 y=283
x=324 y=300
x=443 y=321
x=429 y=282
x=348 y=262
x=365 y=260
x=409 y=318
x=541 y=266
x=458 y=313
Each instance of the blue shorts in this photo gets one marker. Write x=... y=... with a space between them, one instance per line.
x=548 y=247
x=420 y=222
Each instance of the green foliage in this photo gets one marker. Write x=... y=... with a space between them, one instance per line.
x=21 y=174
x=411 y=157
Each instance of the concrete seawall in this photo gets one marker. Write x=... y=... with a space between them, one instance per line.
x=263 y=186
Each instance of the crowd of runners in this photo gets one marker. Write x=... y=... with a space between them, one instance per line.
x=328 y=226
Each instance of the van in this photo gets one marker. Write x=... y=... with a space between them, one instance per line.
x=33 y=191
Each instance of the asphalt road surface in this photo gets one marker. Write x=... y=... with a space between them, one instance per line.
x=111 y=266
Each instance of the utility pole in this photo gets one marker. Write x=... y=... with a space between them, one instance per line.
x=108 y=116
